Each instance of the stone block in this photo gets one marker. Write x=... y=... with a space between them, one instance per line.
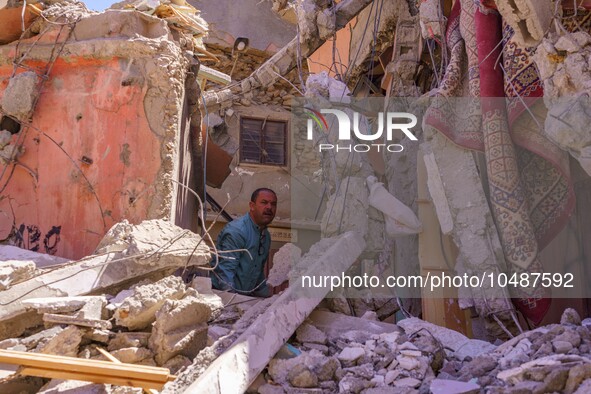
x=20 y=95
x=129 y=339
x=138 y=311
x=180 y=328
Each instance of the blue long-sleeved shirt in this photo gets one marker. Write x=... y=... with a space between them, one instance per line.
x=238 y=268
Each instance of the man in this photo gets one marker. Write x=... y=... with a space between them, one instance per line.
x=237 y=271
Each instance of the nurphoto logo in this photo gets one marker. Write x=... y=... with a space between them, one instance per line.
x=390 y=121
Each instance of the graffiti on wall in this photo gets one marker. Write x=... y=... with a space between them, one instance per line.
x=31 y=238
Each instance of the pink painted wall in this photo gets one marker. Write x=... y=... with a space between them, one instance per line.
x=90 y=108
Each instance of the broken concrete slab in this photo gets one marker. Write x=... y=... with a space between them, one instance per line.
x=15 y=272
x=138 y=311
x=283 y=260
x=93 y=309
x=180 y=328
x=132 y=355
x=41 y=337
x=60 y=304
x=400 y=219
x=285 y=59
x=310 y=334
x=20 y=95
x=446 y=386
x=239 y=366
x=177 y=363
x=128 y=253
x=461 y=345
x=348 y=208
x=530 y=19
x=77 y=321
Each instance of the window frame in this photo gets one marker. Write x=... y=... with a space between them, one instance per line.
x=262 y=141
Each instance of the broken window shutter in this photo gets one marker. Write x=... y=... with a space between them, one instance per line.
x=250 y=141
x=274 y=138
x=263 y=141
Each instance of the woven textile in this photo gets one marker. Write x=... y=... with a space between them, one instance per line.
x=531 y=195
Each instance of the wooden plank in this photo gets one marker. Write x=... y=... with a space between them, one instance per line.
x=87 y=377
x=91 y=367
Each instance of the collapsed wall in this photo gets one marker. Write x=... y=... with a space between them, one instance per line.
x=101 y=142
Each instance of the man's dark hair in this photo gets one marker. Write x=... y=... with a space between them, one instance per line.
x=255 y=194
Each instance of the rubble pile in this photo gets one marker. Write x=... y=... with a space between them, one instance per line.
x=281 y=93
x=185 y=328
x=564 y=65
x=424 y=358
x=163 y=323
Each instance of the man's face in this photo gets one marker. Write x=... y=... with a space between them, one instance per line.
x=262 y=211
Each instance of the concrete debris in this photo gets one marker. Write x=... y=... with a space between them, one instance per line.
x=89 y=315
x=77 y=321
x=64 y=343
x=305 y=44
x=349 y=209
x=530 y=19
x=127 y=253
x=15 y=271
x=20 y=95
x=24 y=261
x=180 y=327
x=563 y=62
x=427 y=358
x=570 y=316
x=56 y=386
x=138 y=311
x=463 y=211
x=462 y=346
x=177 y=363
x=307 y=333
x=431 y=19
x=98 y=335
x=60 y=304
x=285 y=258
x=236 y=369
x=400 y=219
x=133 y=355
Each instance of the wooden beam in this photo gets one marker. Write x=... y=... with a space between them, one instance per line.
x=97 y=371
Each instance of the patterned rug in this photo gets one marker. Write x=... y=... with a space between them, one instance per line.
x=531 y=195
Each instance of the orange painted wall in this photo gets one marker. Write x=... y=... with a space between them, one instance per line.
x=90 y=108
x=322 y=58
